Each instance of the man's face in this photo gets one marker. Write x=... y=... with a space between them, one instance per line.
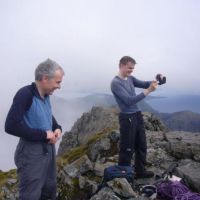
x=51 y=84
x=127 y=69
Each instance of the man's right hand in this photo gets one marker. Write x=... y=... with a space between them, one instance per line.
x=151 y=88
x=51 y=137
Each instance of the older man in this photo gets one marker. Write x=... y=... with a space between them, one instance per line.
x=30 y=118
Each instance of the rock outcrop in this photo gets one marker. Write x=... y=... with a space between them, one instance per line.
x=97 y=120
x=92 y=145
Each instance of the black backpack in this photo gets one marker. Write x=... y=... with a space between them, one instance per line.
x=116 y=171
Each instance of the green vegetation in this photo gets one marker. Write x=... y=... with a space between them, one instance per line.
x=79 y=151
x=71 y=156
x=4 y=176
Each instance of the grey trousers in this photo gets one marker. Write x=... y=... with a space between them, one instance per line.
x=36 y=170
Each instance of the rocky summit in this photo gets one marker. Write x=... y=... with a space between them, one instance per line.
x=92 y=145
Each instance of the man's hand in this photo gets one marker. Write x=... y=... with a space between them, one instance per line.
x=51 y=137
x=58 y=134
x=151 y=88
x=54 y=136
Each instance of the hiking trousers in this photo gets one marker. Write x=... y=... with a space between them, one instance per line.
x=36 y=170
x=132 y=139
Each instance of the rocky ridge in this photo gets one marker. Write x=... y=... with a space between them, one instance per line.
x=92 y=145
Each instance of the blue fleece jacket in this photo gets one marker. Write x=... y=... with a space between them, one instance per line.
x=30 y=115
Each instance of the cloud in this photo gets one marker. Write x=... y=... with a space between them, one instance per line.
x=89 y=37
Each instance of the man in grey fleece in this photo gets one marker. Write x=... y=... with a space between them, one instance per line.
x=132 y=132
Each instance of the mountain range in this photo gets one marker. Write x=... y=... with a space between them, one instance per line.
x=68 y=110
x=175 y=103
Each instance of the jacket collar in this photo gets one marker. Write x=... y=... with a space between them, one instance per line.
x=36 y=92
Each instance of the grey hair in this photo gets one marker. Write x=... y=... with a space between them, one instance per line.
x=48 y=68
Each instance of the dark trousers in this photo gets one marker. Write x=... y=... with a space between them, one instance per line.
x=36 y=171
x=132 y=139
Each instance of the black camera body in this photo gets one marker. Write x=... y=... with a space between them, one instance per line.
x=161 y=79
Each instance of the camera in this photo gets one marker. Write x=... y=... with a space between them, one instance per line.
x=161 y=79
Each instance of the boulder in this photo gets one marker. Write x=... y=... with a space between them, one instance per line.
x=184 y=145
x=99 y=147
x=190 y=172
x=121 y=187
x=79 y=167
x=105 y=194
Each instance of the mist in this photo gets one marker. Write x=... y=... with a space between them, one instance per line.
x=87 y=38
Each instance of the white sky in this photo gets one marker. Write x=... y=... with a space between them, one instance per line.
x=88 y=37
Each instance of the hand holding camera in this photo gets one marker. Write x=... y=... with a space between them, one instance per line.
x=160 y=80
x=151 y=88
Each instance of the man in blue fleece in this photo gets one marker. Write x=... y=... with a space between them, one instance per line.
x=30 y=118
x=132 y=132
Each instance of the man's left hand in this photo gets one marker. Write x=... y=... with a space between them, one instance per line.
x=58 y=134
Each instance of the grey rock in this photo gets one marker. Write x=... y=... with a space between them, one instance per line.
x=191 y=174
x=87 y=185
x=156 y=138
x=188 y=147
x=91 y=186
x=11 y=181
x=105 y=194
x=195 y=152
x=179 y=149
x=121 y=187
x=79 y=167
x=69 y=141
x=9 y=192
x=97 y=120
x=139 y=198
x=152 y=123
x=97 y=148
x=90 y=123
x=82 y=181
x=158 y=156
x=81 y=177
x=67 y=180
x=114 y=136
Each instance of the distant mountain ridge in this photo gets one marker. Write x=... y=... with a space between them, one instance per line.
x=171 y=104
x=67 y=111
x=181 y=121
x=72 y=108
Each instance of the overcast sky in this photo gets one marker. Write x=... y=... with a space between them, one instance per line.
x=88 y=37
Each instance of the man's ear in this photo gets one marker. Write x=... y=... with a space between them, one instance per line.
x=45 y=78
